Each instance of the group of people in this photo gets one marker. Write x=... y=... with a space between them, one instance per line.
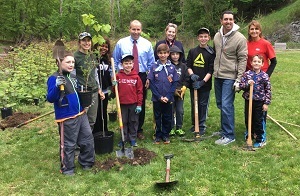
x=167 y=73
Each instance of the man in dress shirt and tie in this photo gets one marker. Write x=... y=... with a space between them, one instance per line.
x=145 y=60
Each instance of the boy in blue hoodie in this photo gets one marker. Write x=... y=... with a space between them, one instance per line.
x=71 y=118
x=176 y=57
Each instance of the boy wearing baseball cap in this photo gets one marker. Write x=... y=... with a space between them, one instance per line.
x=200 y=63
x=130 y=90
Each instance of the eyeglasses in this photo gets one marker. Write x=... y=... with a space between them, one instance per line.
x=84 y=34
x=172 y=25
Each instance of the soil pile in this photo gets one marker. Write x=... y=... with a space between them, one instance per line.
x=16 y=119
x=142 y=156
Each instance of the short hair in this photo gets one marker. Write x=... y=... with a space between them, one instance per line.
x=163 y=48
x=135 y=22
x=66 y=53
x=227 y=12
x=259 y=57
x=257 y=25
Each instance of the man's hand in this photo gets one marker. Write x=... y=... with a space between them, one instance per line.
x=102 y=95
x=147 y=84
x=194 y=77
x=138 y=109
x=236 y=86
x=60 y=80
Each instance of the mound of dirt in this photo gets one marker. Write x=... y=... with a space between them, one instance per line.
x=16 y=119
x=142 y=156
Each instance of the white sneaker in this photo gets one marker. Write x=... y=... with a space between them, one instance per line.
x=224 y=141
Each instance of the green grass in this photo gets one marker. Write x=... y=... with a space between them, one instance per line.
x=30 y=160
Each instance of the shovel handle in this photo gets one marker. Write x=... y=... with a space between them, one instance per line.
x=28 y=121
x=168 y=170
x=249 y=139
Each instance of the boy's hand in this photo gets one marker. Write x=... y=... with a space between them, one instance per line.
x=183 y=89
x=147 y=84
x=60 y=80
x=265 y=107
x=198 y=84
x=194 y=77
x=138 y=109
x=102 y=95
x=114 y=82
x=177 y=92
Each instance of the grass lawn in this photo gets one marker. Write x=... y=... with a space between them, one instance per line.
x=30 y=159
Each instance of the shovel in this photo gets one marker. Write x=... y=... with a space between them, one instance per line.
x=127 y=152
x=167 y=182
x=58 y=53
x=249 y=142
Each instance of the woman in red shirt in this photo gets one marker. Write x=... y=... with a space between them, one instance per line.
x=257 y=45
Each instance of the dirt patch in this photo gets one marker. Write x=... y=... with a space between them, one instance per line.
x=16 y=119
x=142 y=156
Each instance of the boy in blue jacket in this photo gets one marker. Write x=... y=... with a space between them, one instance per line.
x=163 y=79
x=72 y=120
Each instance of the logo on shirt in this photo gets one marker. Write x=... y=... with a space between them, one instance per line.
x=199 y=61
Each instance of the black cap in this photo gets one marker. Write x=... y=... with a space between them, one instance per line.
x=203 y=29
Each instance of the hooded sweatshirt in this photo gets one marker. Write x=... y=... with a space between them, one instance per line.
x=130 y=88
x=231 y=54
x=181 y=68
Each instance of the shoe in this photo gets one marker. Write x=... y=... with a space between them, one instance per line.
x=166 y=140
x=133 y=143
x=154 y=136
x=224 y=141
x=68 y=173
x=259 y=144
x=140 y=136
x=87 y=168
x=180 y=132
x=157 y=141
x=192 y=129
x=172 y=132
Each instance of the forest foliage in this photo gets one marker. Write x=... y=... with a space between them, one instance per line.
x=25 y=20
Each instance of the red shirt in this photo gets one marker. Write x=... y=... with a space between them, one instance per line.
x=263 y=48
x=130 y=88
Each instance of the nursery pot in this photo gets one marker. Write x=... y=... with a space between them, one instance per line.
x=112 y=116
x=36 y=101
x=85 y=98
x=104 y=144
x=5 y=112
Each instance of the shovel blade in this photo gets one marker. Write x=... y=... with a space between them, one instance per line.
x=127 y=152
x=166 y=184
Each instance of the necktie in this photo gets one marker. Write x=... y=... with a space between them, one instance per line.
x=136 y=57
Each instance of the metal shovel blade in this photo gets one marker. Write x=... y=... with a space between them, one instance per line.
x=126 y=152
x=166 y=184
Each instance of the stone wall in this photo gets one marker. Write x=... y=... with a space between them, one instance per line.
x=289 y=33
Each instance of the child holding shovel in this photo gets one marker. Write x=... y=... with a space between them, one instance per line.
x=176 y=56
x=261 y=99
x=130 y=88
x=200 y=62
x=72 y=120
x=163 y=80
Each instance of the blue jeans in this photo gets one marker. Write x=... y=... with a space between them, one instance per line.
x=225 y=102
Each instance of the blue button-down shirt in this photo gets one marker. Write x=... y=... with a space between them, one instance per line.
x=145 y=52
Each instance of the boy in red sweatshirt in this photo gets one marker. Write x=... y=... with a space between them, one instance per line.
x=130 y=90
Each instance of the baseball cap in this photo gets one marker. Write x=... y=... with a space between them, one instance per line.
x=127 y=56
x=83 y=35
x=203 y=29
